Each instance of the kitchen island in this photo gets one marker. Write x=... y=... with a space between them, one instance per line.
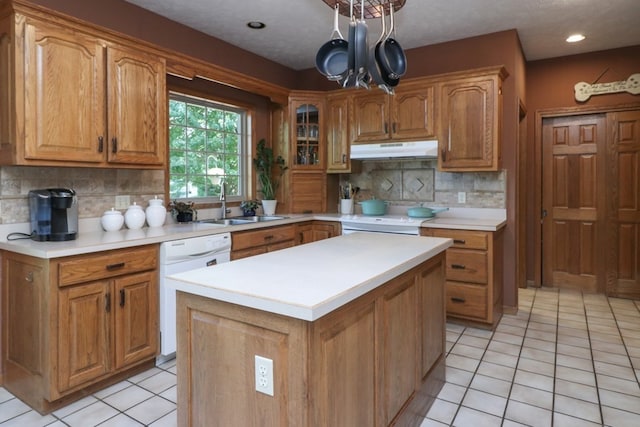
x=354 y=326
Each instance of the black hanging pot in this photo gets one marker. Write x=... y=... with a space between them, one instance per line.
x=374 y=67
x=332 y=57
x=390 y=56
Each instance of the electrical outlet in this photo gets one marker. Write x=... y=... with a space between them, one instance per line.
x=462 y=197
x=264 y=375
x=123 y=202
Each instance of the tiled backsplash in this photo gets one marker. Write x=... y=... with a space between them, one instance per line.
x=96 y=188
x=410 y=182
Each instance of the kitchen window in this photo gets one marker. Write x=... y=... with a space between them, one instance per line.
x=207 y=143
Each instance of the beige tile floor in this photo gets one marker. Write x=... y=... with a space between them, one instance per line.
x=566 y=359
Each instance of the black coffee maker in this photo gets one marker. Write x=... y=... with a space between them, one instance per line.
x=54 y=214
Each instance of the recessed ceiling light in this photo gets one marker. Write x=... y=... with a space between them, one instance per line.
x=256 y=25
x=575 y=38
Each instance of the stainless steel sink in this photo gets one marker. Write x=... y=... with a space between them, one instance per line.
x=262 y=218
x=242 y=220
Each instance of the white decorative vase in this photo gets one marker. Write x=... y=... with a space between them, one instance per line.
x=156 y=213
x=269 y=206
x=134 y=217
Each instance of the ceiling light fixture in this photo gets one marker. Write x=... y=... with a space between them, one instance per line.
x=256 y=25
x=575 y=38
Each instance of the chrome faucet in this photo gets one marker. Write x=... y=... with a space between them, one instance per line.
x=223 y=199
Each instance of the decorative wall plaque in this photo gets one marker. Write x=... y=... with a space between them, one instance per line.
x=584 y=91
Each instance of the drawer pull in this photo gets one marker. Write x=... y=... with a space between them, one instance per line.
x=122 y=297
x=458 y=266
x=458 y=300
x=269 y=237
x=114 y=145
x=111 y=267
x=107 y=302
x=459 y=241
x=29 y=277
x=100 y=144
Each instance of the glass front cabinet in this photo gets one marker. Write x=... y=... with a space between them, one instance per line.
x=307 y=132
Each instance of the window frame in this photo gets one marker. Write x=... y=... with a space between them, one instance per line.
x=245 y=145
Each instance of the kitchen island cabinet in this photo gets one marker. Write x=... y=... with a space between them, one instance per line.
x=77 y=97
x=75 y=324
x=360 y=343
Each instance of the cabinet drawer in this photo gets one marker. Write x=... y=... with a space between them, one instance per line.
x=466 y=300
x=463 y=239
x=108 y=264
x=467 y=266
x=267 y=236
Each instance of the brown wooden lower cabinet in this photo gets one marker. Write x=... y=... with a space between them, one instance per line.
x=473 y=275
x=255 y=242
x=312 y=231
x=77 y=323
x=377 y=361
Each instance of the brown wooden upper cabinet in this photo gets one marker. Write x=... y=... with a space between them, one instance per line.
x=470 y=111
x=406 y=115
x=78 y=98
x=338 y=136
x=307 y=132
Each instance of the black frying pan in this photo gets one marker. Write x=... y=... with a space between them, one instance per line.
x=390 y=55
x=332 y=57
x=374 y=69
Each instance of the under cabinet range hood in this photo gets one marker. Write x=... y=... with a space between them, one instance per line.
x=395 y=150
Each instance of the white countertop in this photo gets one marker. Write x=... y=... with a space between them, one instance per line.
x=308 y=281
x=97 y=240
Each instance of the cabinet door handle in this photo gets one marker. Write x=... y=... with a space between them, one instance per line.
x=114 y=145
x=458 y=266
x=393 y=127
x=29 y=277
x=122 y=297
x=111 y=267
x=344 y=158
x=107 y=302
x=386 y=128
x=443 y=155
x=100 y=144
x=459 y=241
x=458 y=300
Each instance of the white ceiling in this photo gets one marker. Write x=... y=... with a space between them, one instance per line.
x=297 y=28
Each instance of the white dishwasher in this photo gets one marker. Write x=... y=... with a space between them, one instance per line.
x=178 y=256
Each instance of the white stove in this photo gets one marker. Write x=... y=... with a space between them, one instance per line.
x=394 y=224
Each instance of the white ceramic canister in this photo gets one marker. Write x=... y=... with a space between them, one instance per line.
x=134 y=217
x=112 y=220
x=156 y=212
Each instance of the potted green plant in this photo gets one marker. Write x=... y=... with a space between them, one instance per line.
x=183 y=211
x=265 y=162
x=249 y=207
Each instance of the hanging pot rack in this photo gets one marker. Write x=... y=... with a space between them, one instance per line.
x=371 y=7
